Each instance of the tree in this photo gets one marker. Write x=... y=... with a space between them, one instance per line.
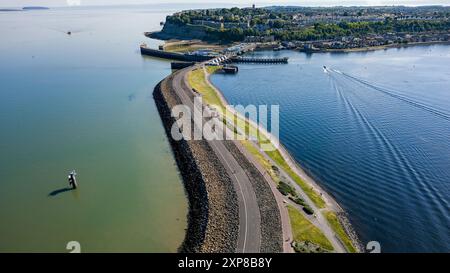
x=278 y=23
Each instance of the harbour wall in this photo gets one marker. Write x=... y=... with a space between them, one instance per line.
x=180 y=65
x=174 y=55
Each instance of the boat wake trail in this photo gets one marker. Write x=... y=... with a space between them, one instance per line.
x=395 y=94
x=389 y=152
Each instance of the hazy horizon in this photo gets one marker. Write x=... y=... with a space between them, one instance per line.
x=63 y=3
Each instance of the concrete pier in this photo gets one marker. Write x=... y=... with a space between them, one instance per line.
x=174 y=55
x=259 y=60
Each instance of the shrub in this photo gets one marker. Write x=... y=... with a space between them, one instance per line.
x=286 y=189
x=307 y=247
x=298 y=201
x=308 y=210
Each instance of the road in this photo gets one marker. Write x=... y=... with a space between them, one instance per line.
x=249 y=236
x=279 y=198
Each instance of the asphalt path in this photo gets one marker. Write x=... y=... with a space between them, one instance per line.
x=249 y=236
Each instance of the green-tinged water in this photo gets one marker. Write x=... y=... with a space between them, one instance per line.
x=84 y=102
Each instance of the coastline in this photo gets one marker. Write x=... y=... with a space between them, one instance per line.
x=161 y=35
x=293 y=164
x=375 y=48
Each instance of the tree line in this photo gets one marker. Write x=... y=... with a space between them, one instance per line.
x=323 y=31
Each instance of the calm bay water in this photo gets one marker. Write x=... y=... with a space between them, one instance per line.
x=85 y=102
x=376 y=137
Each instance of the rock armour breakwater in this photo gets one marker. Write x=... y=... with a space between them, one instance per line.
x=213 y=223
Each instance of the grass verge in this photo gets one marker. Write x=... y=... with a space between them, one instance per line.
x=337 y=227
x=304 y=230
x=191 y=45
x=312 y=194
x=196 y=79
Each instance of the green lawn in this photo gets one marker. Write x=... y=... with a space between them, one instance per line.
x=196 y=80
x=261 y=159
x=312 y=194
x=337 y=227
x=304 y=230
x=180 y=48
x=189 y=46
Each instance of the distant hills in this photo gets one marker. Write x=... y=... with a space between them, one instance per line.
x=24 y=8
x=34 y=8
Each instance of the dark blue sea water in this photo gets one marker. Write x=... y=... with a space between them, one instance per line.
x=376 y=136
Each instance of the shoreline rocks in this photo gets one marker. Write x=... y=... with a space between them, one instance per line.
x=345 y=222
x=213 y=223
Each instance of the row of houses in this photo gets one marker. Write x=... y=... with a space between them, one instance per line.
x=413 y=17
x=303 y=20
x=259 y=39
x=374 y=40
x=222 y=25
x=240 y=48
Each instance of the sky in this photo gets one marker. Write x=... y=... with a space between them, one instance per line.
x=60 y=3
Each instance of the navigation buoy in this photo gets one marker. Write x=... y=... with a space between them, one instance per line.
x=73 y=180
